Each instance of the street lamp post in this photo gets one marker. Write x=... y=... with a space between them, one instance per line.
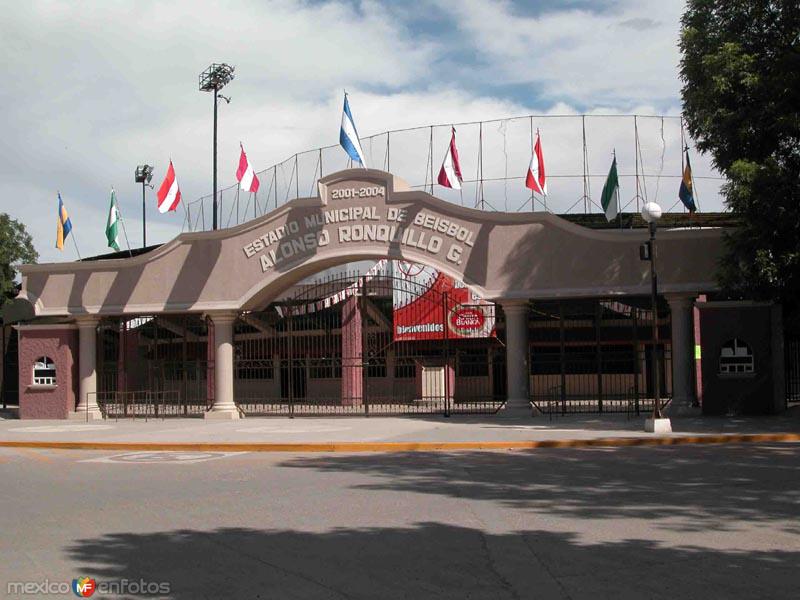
x=651 y=213
x=143 y=175
x=213 y=79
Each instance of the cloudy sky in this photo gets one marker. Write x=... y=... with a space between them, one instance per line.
x=90 y=90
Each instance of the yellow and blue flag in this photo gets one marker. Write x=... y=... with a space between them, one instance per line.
x=63 y=225
x=686 y=192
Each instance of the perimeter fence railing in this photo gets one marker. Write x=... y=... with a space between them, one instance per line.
x=494 y=157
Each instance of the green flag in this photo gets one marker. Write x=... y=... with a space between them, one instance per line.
x=112 y=225
x=610 y=197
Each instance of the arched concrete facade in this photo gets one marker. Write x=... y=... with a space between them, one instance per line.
x=368 y=214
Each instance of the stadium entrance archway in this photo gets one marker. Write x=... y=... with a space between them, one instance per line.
x=194 y=298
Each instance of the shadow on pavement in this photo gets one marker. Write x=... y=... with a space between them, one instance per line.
x=687 y=488
x=427 y=560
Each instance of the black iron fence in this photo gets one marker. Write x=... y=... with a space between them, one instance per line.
x=311 y=356
x=792 y=370
x=146 y=404
x=160 y=389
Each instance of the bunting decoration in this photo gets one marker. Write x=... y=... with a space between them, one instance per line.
x=245 y=174
x=340 y=296
x=535 y=179
x=169 y=194
x=450 y=173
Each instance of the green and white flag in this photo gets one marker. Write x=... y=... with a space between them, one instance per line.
x=610 y=197
x=112 y=226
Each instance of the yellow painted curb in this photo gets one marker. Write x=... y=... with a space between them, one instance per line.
x=413 y=446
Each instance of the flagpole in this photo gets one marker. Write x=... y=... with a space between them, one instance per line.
x=542 y=187
x=533 y=198
x=124 y=230
x=694 y=189
x=186 y=211
x=616 y=194
x=78 y=252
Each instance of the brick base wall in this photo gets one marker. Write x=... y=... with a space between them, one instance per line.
x=61 y=346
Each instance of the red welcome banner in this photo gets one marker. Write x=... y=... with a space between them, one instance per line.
x=429 y=305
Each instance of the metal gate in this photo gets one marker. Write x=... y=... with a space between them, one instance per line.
x=596 y=356
x=153 y=366
x=792 y=370
x=333 y=348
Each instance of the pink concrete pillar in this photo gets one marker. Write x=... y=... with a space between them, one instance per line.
x=352 y=352
x=698 y=345
x=224 y=406
x=517 y=352
x=683 y=388
x=87 y=368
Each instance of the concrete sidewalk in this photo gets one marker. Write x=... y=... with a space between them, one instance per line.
x=476 y=430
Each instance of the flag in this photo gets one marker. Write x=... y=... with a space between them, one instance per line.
x=112 y=224
x=348 y=136
x=63 y=225
x=535 y=180
x=245 y=174
x=686 y=191
x=450 y=173
x=610 y=197
x=169 y=194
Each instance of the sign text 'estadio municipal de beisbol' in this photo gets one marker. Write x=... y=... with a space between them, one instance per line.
x=359 y=224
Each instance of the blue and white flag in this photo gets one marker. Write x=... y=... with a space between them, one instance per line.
x=348 y=136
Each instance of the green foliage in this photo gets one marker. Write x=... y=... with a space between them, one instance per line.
x=741 y=96
x=16 y=247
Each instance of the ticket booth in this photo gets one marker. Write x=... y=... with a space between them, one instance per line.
x=741 y=358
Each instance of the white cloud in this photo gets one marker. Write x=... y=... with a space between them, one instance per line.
x=628 y=55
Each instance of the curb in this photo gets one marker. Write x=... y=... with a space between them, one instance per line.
x=677 y=440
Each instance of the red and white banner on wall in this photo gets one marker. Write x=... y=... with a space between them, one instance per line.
x=429 y=305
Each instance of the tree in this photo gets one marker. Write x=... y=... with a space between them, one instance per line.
x=16 y=247
x=741 y=95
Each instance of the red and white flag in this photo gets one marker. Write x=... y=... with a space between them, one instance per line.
x=245 y=174
x=169 y=194
x=536 y=180
x=450 y=173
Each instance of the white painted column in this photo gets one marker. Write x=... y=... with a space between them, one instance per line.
x=224 y=407
x=683 y=396
x=517 y=369
x=87 y=369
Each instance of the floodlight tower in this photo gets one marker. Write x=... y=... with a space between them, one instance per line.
x=213 y=79
x=143 y=175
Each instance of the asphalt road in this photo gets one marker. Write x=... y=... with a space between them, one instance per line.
x=682 y=522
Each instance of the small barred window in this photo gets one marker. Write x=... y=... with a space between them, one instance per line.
x=736 y=358
x=44 y=371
